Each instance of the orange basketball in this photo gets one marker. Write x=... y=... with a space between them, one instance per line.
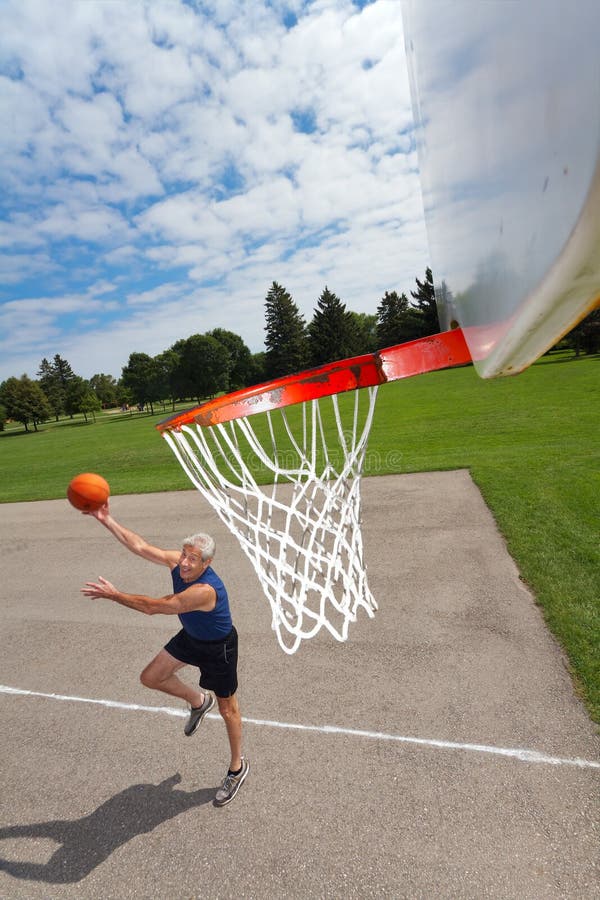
x=88 y=491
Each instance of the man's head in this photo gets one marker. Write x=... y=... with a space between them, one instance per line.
x=198 y=550
x=202 y=542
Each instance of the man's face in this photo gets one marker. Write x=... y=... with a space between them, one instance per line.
x=191 y=564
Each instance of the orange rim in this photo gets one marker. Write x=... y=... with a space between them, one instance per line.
x=439 y=351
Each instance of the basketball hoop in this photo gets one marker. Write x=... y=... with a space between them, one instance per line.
x=287 y=484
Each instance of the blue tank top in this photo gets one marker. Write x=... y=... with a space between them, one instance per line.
x=205 y=626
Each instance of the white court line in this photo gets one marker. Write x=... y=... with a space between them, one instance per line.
x=530 y=756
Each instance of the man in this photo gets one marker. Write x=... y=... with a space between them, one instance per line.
x=208 y=638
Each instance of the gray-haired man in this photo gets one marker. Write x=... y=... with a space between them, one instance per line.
x=208 y=638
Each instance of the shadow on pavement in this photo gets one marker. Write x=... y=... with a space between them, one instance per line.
x=87 y=842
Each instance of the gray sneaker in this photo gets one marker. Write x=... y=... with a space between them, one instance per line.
x=231 y=785
x=197 y=714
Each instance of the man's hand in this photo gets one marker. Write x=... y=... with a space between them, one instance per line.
x=101 y=590
x=101 y=514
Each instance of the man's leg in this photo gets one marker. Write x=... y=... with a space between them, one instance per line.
x=230 y=711
x=239 y=765
x=159 y=675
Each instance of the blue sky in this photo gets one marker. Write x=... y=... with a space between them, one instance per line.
x=164 y=162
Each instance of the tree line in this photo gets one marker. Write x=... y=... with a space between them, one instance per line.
x=203 y=365
x=336 y=332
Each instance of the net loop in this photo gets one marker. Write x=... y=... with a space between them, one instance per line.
x=287 y=484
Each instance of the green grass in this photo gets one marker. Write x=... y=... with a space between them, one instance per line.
x=531 y=444
x=126 y=449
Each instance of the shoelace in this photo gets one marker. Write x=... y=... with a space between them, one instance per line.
x=229 y=781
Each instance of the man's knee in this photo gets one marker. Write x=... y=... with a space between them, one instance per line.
x=228 y=707
x=147 y=678
x=159 y=670
x=151 y=676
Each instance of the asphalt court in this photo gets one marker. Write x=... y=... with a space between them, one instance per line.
x=441 y=751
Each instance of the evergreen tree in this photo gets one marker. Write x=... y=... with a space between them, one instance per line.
x=62 y=370
x=44 y=372
x=393 y=320
x=55 y=378
x=332 y=332
x=52 y=388
x=426 y=315
x=286 y=342
x=446 y=308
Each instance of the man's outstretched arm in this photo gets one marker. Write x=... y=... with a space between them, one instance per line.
x=196 y=597
x=134 y=542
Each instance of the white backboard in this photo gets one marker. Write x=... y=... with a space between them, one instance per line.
x=506 y=96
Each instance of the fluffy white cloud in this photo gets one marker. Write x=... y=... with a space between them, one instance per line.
x=184 y=158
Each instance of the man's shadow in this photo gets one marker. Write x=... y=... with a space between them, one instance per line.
x=87 y=842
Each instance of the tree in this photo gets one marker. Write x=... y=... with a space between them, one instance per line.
x=62 y=369
x=177 y=377
x=393 y=321
x=240 y=374
x=80 y=398
x=89 y=405
x=166 y=366
x=258 y=370
x=585 y=336
x=75 y=394
x=365 y=328
x=51 y=387
x=204 y=366
x=446 y=308
x=286 y=342
x=140 y=376
x=55 y=378
x=105 y=387
x=3 y=417
x=426 y=315
x=124 y=395
x=331 y=332
x=25 y=401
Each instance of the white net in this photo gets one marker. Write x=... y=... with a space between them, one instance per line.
x=301 y=531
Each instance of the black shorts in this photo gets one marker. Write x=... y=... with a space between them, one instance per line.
x=217 y=660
